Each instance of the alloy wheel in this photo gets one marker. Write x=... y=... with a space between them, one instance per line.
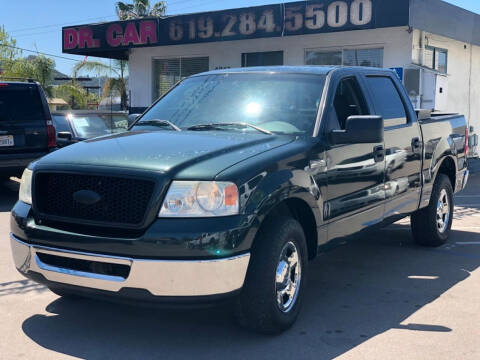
x=288 y=277
x=443 y=211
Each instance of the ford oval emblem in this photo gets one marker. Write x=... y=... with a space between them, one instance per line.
x=86 y=197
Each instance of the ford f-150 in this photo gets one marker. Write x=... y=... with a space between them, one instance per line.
x=231 y=182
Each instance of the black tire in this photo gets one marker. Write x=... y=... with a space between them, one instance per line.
x=426 y=230
x=257 y=307
x=63 y=293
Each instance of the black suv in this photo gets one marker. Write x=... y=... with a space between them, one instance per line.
x=26 y=129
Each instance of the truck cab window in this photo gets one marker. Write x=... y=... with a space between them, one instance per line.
x=348 y=101
x=387 y=100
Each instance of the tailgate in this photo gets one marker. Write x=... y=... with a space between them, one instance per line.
x=22 y=119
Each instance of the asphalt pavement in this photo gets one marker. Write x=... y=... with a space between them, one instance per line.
x=378 y=296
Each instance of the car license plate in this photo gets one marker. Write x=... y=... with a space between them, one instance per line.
x=6 y=140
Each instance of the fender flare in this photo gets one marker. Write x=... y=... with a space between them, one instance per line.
x=277 y=189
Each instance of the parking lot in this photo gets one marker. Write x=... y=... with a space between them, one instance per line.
x=379 y=296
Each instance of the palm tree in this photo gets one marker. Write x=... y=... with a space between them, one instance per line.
x=125 y=11
x=113 y=84
x=139 y=9
x=75 y=95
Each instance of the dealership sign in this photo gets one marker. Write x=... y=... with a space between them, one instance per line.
x=297 y=18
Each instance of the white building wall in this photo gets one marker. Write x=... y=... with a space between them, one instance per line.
x=397 y=44
x=474 y=113
x=463 y=75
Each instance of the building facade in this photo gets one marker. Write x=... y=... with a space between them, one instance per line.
x=433 y=46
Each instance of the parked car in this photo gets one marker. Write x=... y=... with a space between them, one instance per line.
x=26 y=129
x=78 y=125
x=228 y=185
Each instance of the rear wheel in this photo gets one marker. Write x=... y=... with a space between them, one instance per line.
x=271 y=297
x=431 y=226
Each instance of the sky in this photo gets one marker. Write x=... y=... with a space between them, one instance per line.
x=36 y=24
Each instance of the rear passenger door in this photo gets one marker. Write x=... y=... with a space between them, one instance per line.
x=355 y=174
x=402 y=144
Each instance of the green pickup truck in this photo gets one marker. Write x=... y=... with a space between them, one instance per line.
x=228 y=185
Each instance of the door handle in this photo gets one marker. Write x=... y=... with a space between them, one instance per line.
x=416 y=144
x=379 y=153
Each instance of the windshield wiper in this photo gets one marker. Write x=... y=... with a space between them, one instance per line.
x=218 y=125
x=158 y=122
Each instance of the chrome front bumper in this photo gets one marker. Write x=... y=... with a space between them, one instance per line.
x=159 y=277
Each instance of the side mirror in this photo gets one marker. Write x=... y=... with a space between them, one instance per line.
x=65 y=135
x=359 y=130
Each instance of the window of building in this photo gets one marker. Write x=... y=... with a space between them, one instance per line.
x=363 y=57
x=267 y=58
x=167 y=72
x=323 y=58
x=436 y=58
x=387 y=100
x=347 y=57
x=441 y=56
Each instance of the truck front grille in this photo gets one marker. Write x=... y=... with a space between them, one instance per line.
x=122 y=201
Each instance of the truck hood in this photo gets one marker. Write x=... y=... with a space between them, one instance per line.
x=183 y=155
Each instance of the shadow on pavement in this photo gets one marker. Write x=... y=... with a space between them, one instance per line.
x=355 y=292
x=8 y=194
x=20 y=287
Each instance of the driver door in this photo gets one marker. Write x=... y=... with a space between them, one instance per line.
x=355 y=172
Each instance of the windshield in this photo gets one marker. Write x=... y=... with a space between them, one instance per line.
x=278 y=103
x=88 y=126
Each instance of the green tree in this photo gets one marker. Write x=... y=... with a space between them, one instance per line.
x=139 y=9
x=38 y=68
x=113 y=85
x=8 y=51
x=44 y=69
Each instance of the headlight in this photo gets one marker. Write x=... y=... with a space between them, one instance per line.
x=200 y=199
x=25 y=193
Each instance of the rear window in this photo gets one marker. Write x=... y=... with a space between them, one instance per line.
x=20 y=104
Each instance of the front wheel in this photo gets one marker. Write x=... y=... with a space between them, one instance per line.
x=431 y=226
x=274 y=285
